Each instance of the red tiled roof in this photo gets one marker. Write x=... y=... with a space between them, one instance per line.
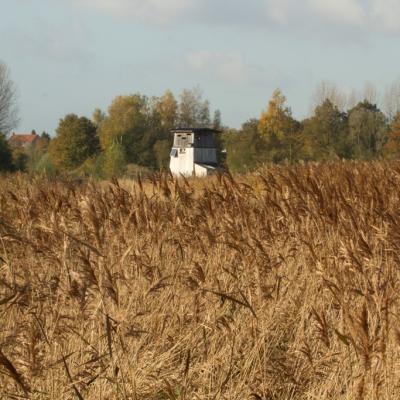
x=22 y=138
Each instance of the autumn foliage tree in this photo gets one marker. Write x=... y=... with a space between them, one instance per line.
x=133 y=135
x=392 y=147
x=166 y=109
x=279 y=129
x=164 y=116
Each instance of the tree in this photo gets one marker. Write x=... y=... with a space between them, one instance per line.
x=324 y=134
x=42 y=144
x=392 y=147
x=114 y=161
x=5 y=154
x=392 y=100
x=162 y=119
x=204 y=119
x=194 y=112
x=44 y=166
x=245 y=148
x=36 y=152
x=279 y=129
x=162 y=150
x=126 y=123
x=167 y=110
x=8 y=109
x=328 y=91
x=367 y=130
x=20 y=159
x=98 y=117
x=138 y=123
x=76 y=140
x=371 y=93
x=217 y=120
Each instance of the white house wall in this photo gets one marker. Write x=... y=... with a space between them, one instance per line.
x=200 y=170
x=184 y=163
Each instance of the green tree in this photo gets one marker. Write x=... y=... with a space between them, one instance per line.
x=127 y=124
x=324 y=135
x=44 y=166
x=367 y=130
x=20 y=159
x=114 y=161
x=5 y=154
x=76 y=140
x=245 y=149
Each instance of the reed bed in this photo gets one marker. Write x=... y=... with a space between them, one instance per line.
x=282 y=284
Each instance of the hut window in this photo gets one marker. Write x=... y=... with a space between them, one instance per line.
x=174 y=153
x=181 y=140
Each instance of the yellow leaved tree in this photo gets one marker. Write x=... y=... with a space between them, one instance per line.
x=279 y=129
x=392 y=147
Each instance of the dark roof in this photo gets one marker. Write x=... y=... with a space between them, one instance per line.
x=195 y=130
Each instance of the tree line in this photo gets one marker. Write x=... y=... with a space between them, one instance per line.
x=363 y=132
x=133 y=136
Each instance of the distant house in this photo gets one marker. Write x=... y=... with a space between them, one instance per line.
x=23 y=140
x=194 y=152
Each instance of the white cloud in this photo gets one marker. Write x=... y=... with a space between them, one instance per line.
x=360 y=14
x=280 y=11
x=233 y=68
x=200 y=60
x=53 y=42
x=385 y=14
x=226 y=66
x=343 y=11
x=158 y=11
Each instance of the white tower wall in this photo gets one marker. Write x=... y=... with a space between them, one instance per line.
x=183 y=163
x=194 y=152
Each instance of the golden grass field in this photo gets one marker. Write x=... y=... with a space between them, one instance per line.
x=282 y=284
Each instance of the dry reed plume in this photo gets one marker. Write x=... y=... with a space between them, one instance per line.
x=283 y=284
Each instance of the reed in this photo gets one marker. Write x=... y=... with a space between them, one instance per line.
x=281 y=284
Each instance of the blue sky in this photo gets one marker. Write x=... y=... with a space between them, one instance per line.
x=75 y=55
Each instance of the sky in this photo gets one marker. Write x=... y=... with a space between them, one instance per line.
x=76 y=55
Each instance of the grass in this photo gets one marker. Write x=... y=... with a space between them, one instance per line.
x=282 y=284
